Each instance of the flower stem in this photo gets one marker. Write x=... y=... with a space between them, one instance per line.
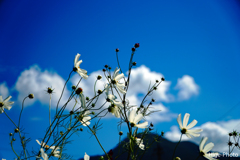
x=176 y=147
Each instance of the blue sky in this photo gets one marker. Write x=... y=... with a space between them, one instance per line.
x=193 y=44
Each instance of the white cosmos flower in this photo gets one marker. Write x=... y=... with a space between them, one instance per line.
x=43 y=155
x=116 y=106
x=134 y=119
x=5 y=104
x=81 y=72
x=85 y=118
x=115 y=80
x=86 y=157
x=185 y=129
x=139 y=142
x=55 y=150
x=207 y=148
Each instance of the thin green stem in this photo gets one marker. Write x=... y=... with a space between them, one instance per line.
x=176 y=146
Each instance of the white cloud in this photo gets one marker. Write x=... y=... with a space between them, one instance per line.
x=141 y=77
x=139 y=83
x=36 y=81
x=217 y=132
x=187 y=87
x=4 y=92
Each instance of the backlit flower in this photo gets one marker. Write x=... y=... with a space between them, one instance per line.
x=43 y=154
x=207 y=148
x=185 y=129
x=85 y=118
x=116 y=106
x=134 y=119
x=86 y=157
x=139 y=142
x=115 y=80
x=55 y=150
x=81 y=72
x=5 y=104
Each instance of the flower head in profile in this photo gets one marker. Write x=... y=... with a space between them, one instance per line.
x=185 y=129
x=81 y=72
x=207 y=148
x=134 y=118
x=55 y=150
x=116 y=106
x=43 y=155
x=115 y=80
x=5 y=104
x=85 y=118
x=86 y=157
x=139 y=142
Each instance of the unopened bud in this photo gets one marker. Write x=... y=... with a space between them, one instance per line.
x=31 y=96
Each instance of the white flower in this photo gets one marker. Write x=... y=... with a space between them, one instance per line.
x=139 y=142
x=5 y=104
x=134 y=119
x=116 y=106
x=115 y=80
x=43 y=154
x=55 y=150
x=207 y=148
x=81 y=72
x=85 y=118
x=86 y=157
x=185 y=128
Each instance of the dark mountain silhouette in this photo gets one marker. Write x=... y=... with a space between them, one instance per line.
x=163 y=150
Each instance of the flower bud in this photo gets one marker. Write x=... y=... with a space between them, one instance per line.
x=73 y=87
x=230 y=143
x=49 y=90
x=136 y=45
x=14 y=139
x=177 y=158
x=162 y=133
x=104 y=70
x=93 y=105
x=87 y=98
x=99 y=91
x=133 y=49
x=106 y=66
x=79 y=91
x=151 y=124
x=157 y=81
x=117 y=50
x=120 y=133
x=99 y=77
x=81 y=129
x=10 y=134
x=16 y=130
x=71 y=112
x=31 y=96
x=134 y=63
x=163 y=79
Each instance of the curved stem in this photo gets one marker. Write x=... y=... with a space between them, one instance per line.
x=176 y=146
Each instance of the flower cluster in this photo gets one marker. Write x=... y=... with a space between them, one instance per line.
x=86 y=113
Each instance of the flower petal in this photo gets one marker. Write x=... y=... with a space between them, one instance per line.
x=138 y=118
x=192 y=124
x=86 y=157
x=202 y=143
x=185 y=119
x=132 y=115
x=179 y=120
x=208 y=147
x=142 y=125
